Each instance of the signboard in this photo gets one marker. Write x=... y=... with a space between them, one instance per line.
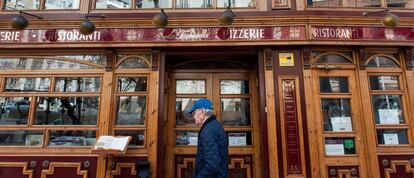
x=361 y=33
x=195 y=34
x=286 y=59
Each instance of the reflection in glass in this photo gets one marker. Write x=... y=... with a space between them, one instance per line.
x=363 y=3
x=62 y=4
x=132 y=84
x=392 y=137
x=21 y=138
x=131 y=110
x=181 y=106
x=14 y=110
x=27 y=84
x=239 y=138
x=382 y=61
x=66 y=110
x=333 y=58
x=137 y=139
x=190 y=86
x=384 y=82
x=78 y=84
x=194 y=4
x=400 y=3
x=186 y=138
x=387 y=109
x=336 y=114
x=339 y=146
x=113 y=4
x=40 y=64
x=235 y=3
x=154 y=4
x=333 y=84
x=235 y=111
x=21 y=4
x=134 y=63
x=234 y=87
x=72 y=138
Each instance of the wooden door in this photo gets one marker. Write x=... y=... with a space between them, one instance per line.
x=234 y=101
x=338 y=123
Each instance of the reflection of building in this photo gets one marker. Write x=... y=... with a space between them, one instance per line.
x=304 y=88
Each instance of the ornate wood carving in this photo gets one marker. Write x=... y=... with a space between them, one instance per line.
x=185 y=167
x=119 y=166
x=394 y=172
x=239 y=168
x=155 y=59
x=306 y=58
x=110 y=58
x=23 y=165
x=53 y=165
x=268 y=58
x=362 y=55
x=409 y=58
x=343 y=172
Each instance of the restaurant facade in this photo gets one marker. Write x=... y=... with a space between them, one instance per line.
x=312 y=88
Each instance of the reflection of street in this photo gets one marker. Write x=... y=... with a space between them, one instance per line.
x=14 y=110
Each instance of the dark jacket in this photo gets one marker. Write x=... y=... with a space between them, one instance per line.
x=212 y=151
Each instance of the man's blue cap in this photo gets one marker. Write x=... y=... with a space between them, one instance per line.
x=201 y=104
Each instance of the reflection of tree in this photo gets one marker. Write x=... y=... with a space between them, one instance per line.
x=126 y=84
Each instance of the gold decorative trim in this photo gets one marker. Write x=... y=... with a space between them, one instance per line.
x=184 y=165
x=23 y=165
x=117 y=170
x=242 y=165
x=54 y=165
x=394 y=164
x=346 y=172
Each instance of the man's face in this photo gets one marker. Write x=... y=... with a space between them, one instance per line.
x=198 y=116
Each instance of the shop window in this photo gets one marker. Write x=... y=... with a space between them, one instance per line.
x=36 y=4
x=382 y=61
x=176 y=4
x=134 y=63
x=59 y=110
x=344 y=57
x=181 y=105
x=333 y=85
x=361 y=3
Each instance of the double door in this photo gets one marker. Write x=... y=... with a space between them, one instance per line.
x=233 y=95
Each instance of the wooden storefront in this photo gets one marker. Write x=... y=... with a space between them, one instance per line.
x=301 y=92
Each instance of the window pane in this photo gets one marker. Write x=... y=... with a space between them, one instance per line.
x=387 y=109
x=181 y=105
x=400 y=3
x=62 y=4
x=331 y=58
x=134 y=63
x=186 y=138
x=40 y=64
x=78 y=84
x=194 y=3
x=239 y=138
x=384 y=82
x=132 y=84
x=325 y=3
x=337 y=114
x=363 y=3
x=333 y=84
x=21 y=138
x=113 y=4
x=72 y=138
x=66 y=110
x=392 y=137
x=234 y=87
x=27 y=84
x=339 y=146
x=154 y=4
x=235 y=111
x=14 y=110
x=235 y=3
x=131 y=110
x=19 y=4
x=381 y=61
x=190 y=87
x=137 y=139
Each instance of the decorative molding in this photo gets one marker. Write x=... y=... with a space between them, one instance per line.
x=119 y=166
x=409 y=58
x=110 y=58
x=409 y=169
x=343 y=172
x=22 y=165
x=362 y=55
x=268 y=58
x=306 y=53
x=242 y=165
x=184 y=166
x=155 y=60
x=53 y=165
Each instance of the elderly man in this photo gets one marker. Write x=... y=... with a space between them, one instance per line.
x=212 y=145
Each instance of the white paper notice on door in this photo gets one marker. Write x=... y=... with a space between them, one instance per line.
x=388 y=116
x=334 y=147
x=341 y=124
x=391 y=139
x=237 y=139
